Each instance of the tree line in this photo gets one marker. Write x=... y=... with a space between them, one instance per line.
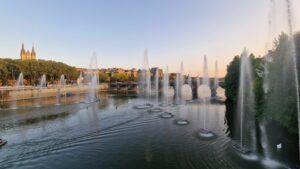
x=32 y=71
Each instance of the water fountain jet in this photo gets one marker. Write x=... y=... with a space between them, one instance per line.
x=180 y=80
x=145 y=83
x=245 y=99
x=92 y=80
x=294 y=57
x=79 y=83
x=17 y=87
x=42 y=84
x=204 y=133
x=60 y=85
x=166 y=114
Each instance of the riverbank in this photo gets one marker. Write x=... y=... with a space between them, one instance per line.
x=12 y=94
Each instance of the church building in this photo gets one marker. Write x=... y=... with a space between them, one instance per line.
x=27 y=55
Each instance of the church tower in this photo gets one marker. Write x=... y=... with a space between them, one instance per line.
x=33 y=54
x=22 y=53
x=28 y=55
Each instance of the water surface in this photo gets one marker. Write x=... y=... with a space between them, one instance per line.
x=112 y=135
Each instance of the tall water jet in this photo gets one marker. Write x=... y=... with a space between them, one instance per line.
x=145 y=83
x=60 y=85
x=266 y=80
x=43 y=81
x=18 y=87
x=42 y=84
x=92 y=96
x=20 y=81
x=180 y=80
x=281 y=86
x=181 y=77
x=92 y=78
x=186 y=91
x=198 y=81
x=264 y=141
x=165 y=103
x=197 y=85
x=293 y=55
x=156 y=83
x=177 y=89
x=147 y=75
x=204 y=92
x=79 y=83
x=205 y=73
x=245 y=104
x=266 y=88
x=166 y=85
x=216 y=80
x=189 y=80
x=272 y=25
x=241 y=92
x=267 y=62
x=156 y=91
x=204 y=88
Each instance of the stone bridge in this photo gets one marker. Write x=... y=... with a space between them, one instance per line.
x=213 y=90
x=133 y=86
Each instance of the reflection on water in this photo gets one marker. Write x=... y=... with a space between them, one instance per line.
x=111 y=134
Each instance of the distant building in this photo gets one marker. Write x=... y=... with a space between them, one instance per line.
x=27 y=55
x=127 y=72
x=153 y=72
x=87 y=71
x=133 y=73
x=172 y=76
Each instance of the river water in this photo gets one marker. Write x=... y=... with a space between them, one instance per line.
x=111 y=134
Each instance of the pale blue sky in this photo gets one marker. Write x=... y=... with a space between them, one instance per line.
x=119 y=30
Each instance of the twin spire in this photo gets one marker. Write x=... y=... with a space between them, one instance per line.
x=27 y=55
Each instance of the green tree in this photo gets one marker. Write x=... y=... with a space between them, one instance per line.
x=4 y=73
x=281 y=105
x=231 y=84
x=103 y=77
x=119 y=77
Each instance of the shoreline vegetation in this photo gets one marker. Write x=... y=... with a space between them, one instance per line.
x=274 y=91
x=32 y=71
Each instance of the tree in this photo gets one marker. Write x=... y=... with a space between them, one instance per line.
x=4 y=73
x=231 y=85
x=103 y=77
x=281 y=102
x=119 y=77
